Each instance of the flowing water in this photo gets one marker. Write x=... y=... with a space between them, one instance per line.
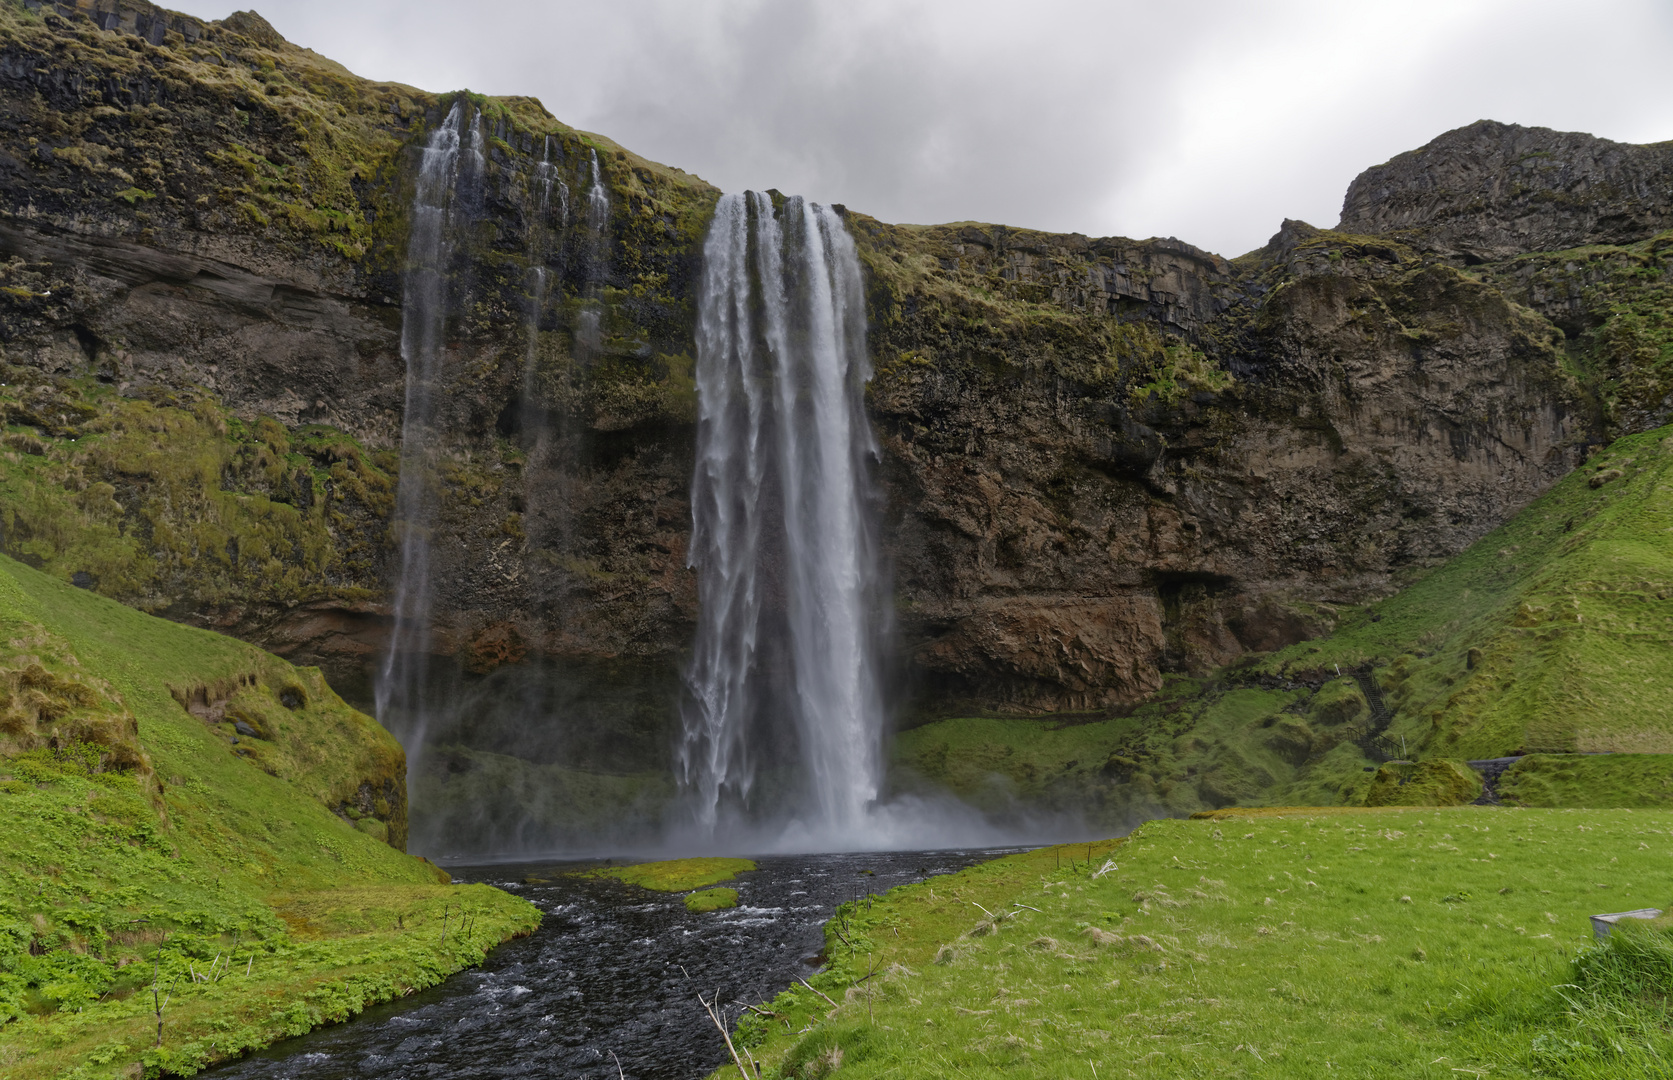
x=449 y=179
x=785 y=675
x=598 y=216
x=540 y=231
x=612 y=968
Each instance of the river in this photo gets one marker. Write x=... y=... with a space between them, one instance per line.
x=612 y=969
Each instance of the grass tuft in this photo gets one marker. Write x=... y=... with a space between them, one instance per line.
x=711 y=900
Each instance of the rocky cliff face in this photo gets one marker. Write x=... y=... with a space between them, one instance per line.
x=1096 y=501
x=1490 y=191
x=1104 y=459
x=204 y=242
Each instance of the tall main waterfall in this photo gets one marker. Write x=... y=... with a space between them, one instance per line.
x=783 y=690
x=449 y=179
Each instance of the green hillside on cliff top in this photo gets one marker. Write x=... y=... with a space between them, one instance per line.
x=1551 y=634
x=184 y=809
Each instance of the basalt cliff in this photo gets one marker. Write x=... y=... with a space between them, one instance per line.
x=1104 y=460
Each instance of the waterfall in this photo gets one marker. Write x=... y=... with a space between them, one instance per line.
x=449 y=180
x=598 y=216
x=789 y=582
x=589 y=332
x=545 y=173
x=598 y=200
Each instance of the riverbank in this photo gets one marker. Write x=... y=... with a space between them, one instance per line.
x=1413 y=942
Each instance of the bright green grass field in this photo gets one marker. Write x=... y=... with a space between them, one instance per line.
x=229 y=876
x=1304 y=943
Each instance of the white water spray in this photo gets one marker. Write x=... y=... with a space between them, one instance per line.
x=781 y=536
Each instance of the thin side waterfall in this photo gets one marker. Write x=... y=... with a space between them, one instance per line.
x=545 y=175
x=589 y=333
x=598 y=201
x=598 y=216
x=449 y=179
x=790 y=583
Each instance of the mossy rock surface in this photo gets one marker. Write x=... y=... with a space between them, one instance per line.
x=711 y=900
x=1338 y=702
x=1546 y=635
x=675 y=875
x=1437 y=782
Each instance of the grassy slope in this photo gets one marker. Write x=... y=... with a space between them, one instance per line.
x=1551 y=633
x=1329 y=943
x=1198 y=745
x=1636 y=780
x=195 y=848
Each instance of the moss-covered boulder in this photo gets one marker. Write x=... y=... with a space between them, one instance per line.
x=1435 y=782
x=1338 y=702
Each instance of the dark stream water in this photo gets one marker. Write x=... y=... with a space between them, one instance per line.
x=612 y=968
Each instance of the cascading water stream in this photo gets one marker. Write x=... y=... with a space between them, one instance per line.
x=781 y=538
x=449 y=172
x=598 y=201
x=545 y=174
x=589 y=333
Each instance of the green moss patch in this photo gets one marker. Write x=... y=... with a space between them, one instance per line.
x=676 y=875
x=1627 y=780
x=711 y=900
x=252 y=870
x=1436 y=782
x=178 y=504
x=1308 y=943
x=1196 y=746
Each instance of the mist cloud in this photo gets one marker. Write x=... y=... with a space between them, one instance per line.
x=1210 y=120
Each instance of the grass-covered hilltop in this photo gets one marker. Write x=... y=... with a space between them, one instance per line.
x=185 y=812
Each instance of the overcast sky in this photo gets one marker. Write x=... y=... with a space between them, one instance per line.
x=1210 y=121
